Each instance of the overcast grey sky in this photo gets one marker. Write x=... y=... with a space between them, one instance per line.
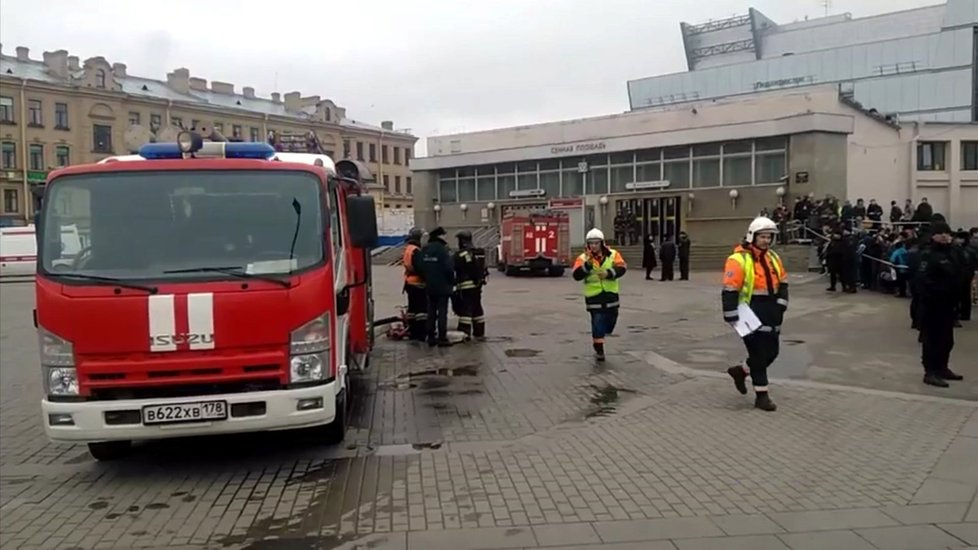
x=435 y=66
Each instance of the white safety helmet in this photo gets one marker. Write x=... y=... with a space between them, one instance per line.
x=760 y=225
x=594 y=235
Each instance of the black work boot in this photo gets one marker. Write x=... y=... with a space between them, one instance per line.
x=599 y=352
x=739 y=377
x=934 y=380
x=763 y=402
x=949 y=374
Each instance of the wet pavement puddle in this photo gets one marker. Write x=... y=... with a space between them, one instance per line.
x=605 y=399
x=522 y=352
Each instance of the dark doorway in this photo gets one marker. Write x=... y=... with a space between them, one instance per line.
x=658 y=216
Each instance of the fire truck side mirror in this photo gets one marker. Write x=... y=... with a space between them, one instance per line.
x=362 y=216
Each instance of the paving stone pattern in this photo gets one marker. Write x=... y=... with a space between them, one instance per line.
x=521 y=442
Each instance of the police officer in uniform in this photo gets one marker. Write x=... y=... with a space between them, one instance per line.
x=938 y=279
x=435 y=265
x=470 y=274
x=600 y=267
x=417 y=301
x=754 y=275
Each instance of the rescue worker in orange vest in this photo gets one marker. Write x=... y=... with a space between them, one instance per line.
x=417 y=306
x=600 y=267
x=754 y=276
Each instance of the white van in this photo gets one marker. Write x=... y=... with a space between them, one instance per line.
x=18 y=248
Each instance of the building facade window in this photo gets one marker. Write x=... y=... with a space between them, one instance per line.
x=407 y=156
x=236 y=132
x=35 y=112
x=255 y=134
x=447 y=186
x=219 y=126
x=61 y=116
x=383 y=154
x=711 y=165
x=102 y=138
x=397 y=185
x=407 y=186
x=397 y=155
x=99 y=78
x=62 y=155
x=969 y=155
x=11 y=202
x=931 y=156
x=9 y=155
x=6 y=109
x=134 y=118
x=387 y=183
x=35 y=156
x=359 y=150
x=346 y=148
x=176 y=121
x=155 y=122
x=373 y=152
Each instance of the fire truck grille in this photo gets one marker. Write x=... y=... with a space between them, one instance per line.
x=185 y=390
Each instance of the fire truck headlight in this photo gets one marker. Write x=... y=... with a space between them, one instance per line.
x=55 y=350
x=307 y=368
x=312 y=337
x=61 y=381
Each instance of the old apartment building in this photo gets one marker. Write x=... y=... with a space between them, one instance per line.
x=59 y=111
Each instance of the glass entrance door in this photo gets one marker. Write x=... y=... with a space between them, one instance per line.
x=657 y=216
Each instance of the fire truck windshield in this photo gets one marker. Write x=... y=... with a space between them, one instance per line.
x=182 y=225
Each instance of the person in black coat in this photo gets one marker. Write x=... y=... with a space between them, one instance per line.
x=939 y=276
x=648 y=257
x=436 y=266
x=835 y=252
x=684 y=247
x=667 y=253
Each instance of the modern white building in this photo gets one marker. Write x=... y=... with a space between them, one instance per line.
x=916 y=64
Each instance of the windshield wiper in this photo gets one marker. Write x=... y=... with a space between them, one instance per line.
x=234 y=271
x=107 y=281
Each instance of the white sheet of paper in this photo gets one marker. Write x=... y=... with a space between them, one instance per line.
x=748 y=321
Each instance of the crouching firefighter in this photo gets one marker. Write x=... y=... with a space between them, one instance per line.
x=417 y=300
x=754 y=275
x=600 y=267
x=471 y=275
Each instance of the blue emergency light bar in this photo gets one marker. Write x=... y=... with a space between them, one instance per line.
x=230 y=150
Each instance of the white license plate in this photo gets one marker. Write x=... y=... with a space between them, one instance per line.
x=185 y=412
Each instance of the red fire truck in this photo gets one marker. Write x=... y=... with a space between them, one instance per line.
x=223 y=287
x=535 y=242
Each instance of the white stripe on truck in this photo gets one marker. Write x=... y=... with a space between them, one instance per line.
x=162 y=322
x=200 y=313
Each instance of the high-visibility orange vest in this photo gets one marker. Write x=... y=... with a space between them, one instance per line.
x=410 y=277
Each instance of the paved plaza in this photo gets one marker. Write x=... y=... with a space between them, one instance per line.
x=525 y=442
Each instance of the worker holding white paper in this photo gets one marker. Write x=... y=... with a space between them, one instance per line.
x=755 y=297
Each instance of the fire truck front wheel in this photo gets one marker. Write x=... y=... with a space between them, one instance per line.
x=109 y=450
x=334 y=432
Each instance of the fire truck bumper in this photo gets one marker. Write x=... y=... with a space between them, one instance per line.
x=94 y=421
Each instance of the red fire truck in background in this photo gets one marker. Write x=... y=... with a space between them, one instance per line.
x=536 y=242
x=223 y=287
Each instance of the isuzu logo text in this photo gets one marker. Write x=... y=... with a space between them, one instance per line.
x=180 y=339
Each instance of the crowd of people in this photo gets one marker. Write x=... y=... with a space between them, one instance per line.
x=914 y=254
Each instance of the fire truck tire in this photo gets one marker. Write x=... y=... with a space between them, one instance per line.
x=500 y=266
x=109 y=450
x=335 y=431
x=556 y=272
x=512 y=271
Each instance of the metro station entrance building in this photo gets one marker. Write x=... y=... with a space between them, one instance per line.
x=705 y=167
